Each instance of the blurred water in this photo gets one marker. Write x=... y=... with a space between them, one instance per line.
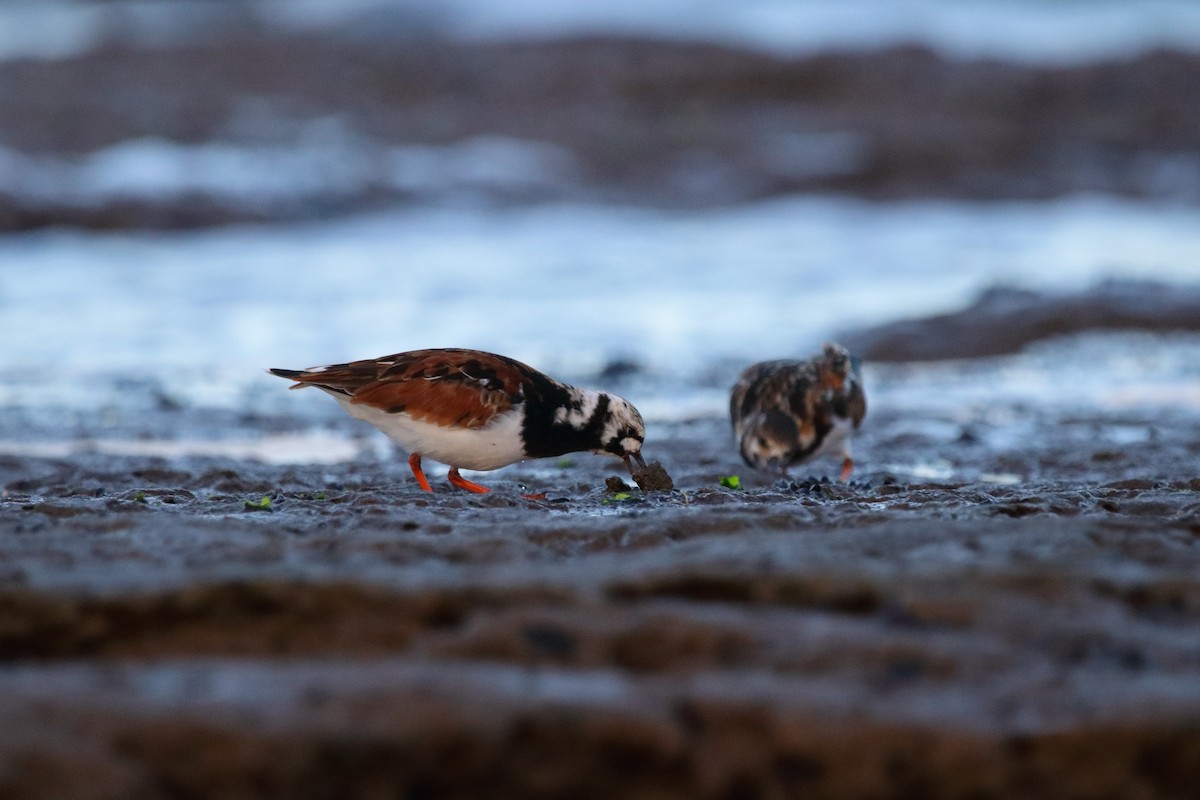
x=1059 y=30
x=1019 y=29
x=564 y=286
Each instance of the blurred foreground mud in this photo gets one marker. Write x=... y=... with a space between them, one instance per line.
x=1029 y=633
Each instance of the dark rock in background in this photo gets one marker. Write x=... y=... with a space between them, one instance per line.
x=641 y=121
x=1004 y=320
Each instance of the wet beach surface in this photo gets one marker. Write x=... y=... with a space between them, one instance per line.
x=212 y=587
x=1003 y=602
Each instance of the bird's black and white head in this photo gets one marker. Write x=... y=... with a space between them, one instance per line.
x=565 y=419
x=623 y=432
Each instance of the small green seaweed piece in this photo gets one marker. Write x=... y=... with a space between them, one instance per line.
x=731 y=482
x=264 y=504
x=140 y=497
x=565 y=463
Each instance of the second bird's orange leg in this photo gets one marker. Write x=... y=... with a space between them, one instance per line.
x=414 y=461
x=847 y=468
x=463 y=483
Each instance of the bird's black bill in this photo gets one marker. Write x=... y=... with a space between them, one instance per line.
x=630 y=458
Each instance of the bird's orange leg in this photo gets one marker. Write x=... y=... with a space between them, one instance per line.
x=463 y=483
x=414 y=461
x=847 y=468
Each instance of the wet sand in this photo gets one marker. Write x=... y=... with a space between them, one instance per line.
x=1005 y=602
x=1032 y=630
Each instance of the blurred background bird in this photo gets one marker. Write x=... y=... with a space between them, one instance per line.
x=785 y=412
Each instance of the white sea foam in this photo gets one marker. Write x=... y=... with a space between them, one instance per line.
x=325 y=163
x=1035 y=30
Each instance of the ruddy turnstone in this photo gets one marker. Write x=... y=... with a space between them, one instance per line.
x=476 y=410
x=787 y=411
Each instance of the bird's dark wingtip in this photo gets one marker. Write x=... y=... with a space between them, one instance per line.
x=291 y=375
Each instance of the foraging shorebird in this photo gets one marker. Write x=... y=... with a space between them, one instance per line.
x=785 y=412
x=474 y=410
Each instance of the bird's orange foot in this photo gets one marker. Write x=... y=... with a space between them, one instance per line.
x=414 y=462
x=847 y=468
x=462 y=483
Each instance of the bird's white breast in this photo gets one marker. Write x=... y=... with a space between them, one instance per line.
x=837 y=441
x=497 y=445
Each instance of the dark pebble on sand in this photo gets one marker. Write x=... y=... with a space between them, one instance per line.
x=615 y=484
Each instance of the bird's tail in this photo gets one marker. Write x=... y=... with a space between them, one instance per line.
x=291 y=375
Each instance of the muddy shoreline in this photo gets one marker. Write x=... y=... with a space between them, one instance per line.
x=1004 y=603
x=1031 y=631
